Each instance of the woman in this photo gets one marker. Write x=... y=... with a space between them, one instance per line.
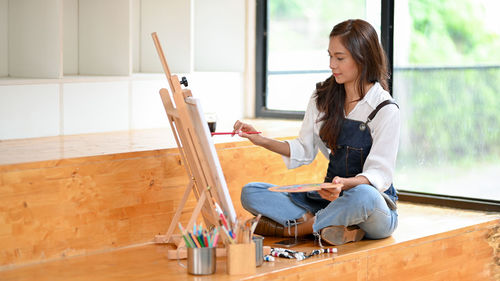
x=351 y=119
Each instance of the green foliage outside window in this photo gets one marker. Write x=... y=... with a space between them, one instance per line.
x=454 y=113
x=305 y=25
x=452 y=32
x=454 y=116
x=447 y=86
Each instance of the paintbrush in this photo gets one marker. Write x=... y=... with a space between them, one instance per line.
x=232 y=133
x=255 y=221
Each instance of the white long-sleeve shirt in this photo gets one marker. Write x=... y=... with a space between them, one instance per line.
x=384 y=128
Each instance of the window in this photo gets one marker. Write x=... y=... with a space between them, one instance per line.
x=446 y=79
x=447 y=82
x=295 y=36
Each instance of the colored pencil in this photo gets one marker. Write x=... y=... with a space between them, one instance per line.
x=186 y=239
x=231 y=240
x=200 y=239
x=213 y=238
x=216 y=239
x=194 y=240
x=206 y=241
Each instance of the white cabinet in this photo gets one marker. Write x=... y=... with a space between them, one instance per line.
x=70 y=37
x=171 y=19
x=104 y=37
x=219 y=37
x=35 y=38
x=87 y=66
x=4 y=42
x=53 y=38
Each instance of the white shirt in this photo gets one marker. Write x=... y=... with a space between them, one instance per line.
x=384 y=128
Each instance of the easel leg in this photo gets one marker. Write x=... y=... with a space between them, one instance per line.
x=196 y=212
x=197 y=209
x=175 y=220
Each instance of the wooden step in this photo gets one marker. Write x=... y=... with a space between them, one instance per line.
x=430 y=244
x=67 y=206
x=89 y=207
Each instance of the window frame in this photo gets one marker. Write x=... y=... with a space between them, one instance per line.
x=261 y=69
x=387 y=36
x=261 y=110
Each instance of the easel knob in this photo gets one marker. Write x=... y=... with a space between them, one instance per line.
x=184 y=81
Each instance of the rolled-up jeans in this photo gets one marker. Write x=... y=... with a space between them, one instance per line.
x=362 y=205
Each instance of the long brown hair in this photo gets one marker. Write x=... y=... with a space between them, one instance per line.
x=361 y=39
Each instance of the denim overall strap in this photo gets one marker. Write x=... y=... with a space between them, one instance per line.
x=382 y=104
x=346 y=160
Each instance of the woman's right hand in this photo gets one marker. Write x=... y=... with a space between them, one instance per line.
x=280 y=147
x=239 y=128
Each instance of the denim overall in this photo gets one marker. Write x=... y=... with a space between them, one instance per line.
x=363 y=205
x=353 y=146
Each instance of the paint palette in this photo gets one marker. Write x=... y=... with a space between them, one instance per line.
x=300 y=187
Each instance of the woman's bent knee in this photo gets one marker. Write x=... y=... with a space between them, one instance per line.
x=256 y=186
x=364 y=189
x=362 y=194
x=252 y=192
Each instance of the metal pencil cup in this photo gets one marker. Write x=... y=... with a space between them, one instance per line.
x=201 y=261
x=259 y=253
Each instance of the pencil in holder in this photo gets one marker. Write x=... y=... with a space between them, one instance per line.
x=241 y=258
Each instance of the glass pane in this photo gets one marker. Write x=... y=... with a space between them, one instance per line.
x=447 y=83
x=298 y=33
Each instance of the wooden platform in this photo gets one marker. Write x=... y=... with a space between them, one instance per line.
x=65 y=206
x=74 y=216
x=430 y=244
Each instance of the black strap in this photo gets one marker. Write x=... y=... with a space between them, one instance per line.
x=382 y=104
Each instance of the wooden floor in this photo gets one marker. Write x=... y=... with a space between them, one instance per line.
x=88 y=207
x=430 y=243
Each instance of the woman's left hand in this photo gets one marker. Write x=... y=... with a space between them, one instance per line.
x=330 y=191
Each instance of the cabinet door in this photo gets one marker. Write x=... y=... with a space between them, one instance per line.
x=35 y=38
x=104 y=37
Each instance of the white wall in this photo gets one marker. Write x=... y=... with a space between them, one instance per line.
x=4 y=38
x=147 y=110
x=95 y=107
x=29 y=110
x=78 y=104
x=220 y=93
x=250 y=41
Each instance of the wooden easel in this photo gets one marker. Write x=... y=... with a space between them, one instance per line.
x=204 y=180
